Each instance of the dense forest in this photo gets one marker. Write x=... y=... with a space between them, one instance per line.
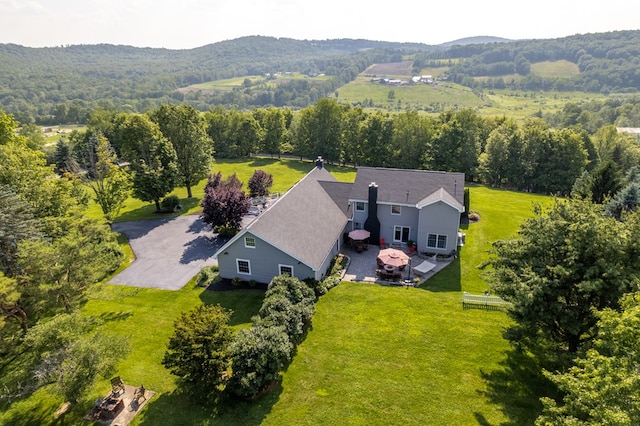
x=61 y=85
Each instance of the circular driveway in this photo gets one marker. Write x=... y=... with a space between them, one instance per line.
x=169 y=251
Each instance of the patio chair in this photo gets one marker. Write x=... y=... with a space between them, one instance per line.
x=382 y=243
x=117 y=385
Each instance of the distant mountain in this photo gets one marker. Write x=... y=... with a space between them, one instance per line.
x=475 y=40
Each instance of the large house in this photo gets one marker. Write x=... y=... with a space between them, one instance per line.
x=305 y=228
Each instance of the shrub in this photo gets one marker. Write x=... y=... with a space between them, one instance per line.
x=171 y=203
x=226 y=231
x=199 y=352
x=206 y=275
x=236 y=281
x=258 y=356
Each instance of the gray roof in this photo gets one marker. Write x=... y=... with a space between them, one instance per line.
x=404 y=186
x=306 y=221
x=339 y=193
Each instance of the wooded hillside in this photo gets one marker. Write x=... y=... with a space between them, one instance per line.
x=60 y=85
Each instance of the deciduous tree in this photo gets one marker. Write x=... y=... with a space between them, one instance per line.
x=112 y=183
x=258 y=356
x=602 y=387
x=152 y=158
x=185 y=128
x=71 y=353
x=225 y=203
x=260 y=183
x=566 y=263
x=25 y=172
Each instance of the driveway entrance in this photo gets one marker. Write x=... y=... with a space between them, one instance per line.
x=169 y=251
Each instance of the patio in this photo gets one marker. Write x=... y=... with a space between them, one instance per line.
x=363 y=265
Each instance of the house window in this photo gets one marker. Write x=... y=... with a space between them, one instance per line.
x=359 y=206
x=357 y=225
x=395 y=209
x=437 y=241
x=249 y=242
x=286 y=270
x=243 y=266
x=401 y=233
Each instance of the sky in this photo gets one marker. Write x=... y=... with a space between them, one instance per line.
x=186 y=24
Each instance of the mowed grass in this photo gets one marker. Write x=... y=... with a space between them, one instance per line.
x=286 y=172
x=144 y=317
x=388 y=355
x=375 y=355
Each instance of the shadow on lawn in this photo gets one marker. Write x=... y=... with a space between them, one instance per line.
x=149 y=211
x=178 y=409
x=39 y=414
x=517 y=387
x=446 y=280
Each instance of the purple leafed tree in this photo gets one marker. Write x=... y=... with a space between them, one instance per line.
x=224 y=203
x=260 y=183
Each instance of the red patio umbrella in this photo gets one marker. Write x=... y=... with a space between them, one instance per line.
x=359 y=234
x=393 y=257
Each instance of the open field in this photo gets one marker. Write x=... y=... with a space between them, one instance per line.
x=433 y=99
x=555 y=69
x=421 y=97
x=229 y=84
x=443 y=96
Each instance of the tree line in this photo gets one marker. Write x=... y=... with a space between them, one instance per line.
x=529 y=156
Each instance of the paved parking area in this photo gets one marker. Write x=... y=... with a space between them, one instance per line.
x=169 y=251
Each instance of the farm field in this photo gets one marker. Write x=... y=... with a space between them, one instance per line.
x=375 y=354
x=433 y=99
x=229 y=84
x=421 y=97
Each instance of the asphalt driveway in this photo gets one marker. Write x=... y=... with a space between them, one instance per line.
x=169 y=251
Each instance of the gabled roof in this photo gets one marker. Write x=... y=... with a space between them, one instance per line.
x=445 y=197
x=306 y=221
x=405 y=186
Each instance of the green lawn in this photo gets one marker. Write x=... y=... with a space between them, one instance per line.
x=374 y=355
x=286 y=173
